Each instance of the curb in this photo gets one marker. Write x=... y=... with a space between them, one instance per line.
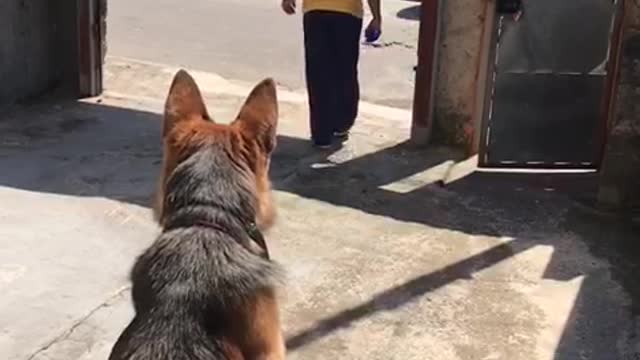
x=213 y=83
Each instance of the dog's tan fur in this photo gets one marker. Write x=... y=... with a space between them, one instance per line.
x=251 y=138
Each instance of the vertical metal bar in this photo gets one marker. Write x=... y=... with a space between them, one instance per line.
x=89 y=48
x=84 y=46
x=426 y=71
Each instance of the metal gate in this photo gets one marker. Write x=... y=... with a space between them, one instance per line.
x=550 y=85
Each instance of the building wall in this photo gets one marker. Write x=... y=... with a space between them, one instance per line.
x=620 y=173
x=35 y=43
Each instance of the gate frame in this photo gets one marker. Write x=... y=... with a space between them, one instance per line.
x=486 y=87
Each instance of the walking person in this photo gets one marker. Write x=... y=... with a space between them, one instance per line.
x=332 y=45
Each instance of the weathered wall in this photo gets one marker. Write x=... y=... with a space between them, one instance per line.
x=620 y=175
x=461 y=68
x=35 y=39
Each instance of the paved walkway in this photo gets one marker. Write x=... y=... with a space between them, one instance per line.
x=392 y=253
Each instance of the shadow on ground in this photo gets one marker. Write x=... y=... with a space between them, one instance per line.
x=100 y=151
x=409 y=13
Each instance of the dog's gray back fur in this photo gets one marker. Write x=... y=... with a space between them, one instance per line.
x=192 y=277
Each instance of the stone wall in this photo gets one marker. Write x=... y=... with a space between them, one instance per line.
x=27 y=35
x=37 y=48
x=620 y=175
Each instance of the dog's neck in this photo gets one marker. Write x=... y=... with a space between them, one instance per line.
x=215 y=217
x=207 y=190
x=252 y=231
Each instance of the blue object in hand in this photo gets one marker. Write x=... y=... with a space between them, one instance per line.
x=371 y=35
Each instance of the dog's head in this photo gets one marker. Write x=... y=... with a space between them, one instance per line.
x=249 y=140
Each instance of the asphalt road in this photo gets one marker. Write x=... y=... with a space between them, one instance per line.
x=252 y=39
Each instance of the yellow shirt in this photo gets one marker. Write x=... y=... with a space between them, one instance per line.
x=353 y=7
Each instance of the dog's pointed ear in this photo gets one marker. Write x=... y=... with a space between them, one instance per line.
x=184 y=102
x=258 y=118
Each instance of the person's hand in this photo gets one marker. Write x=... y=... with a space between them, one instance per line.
x=289 y=6
x=373 y=30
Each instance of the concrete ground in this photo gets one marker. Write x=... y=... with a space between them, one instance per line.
x=392 y=252
x=246 y=39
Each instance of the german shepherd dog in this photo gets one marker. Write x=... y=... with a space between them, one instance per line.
x=206 y=289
